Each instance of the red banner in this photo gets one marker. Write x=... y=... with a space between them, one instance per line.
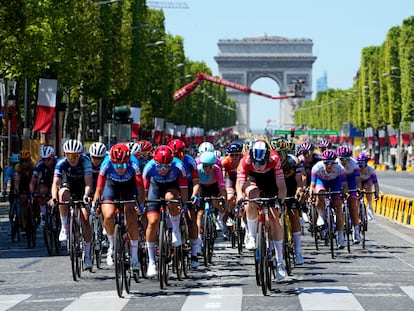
x=185 y=90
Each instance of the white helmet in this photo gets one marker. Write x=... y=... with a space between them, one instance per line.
x=97 y=150
x=47 y=152
x=206 y=146
x=134 y=148
x=72 y=146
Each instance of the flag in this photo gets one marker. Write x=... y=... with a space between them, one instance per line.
x=136 y=120
x=158 y=130
x=381 y=138
x=46 y=104
x=169 y=131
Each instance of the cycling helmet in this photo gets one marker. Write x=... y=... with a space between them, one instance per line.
x=259 y=152
x=120 y=154
x=206 y=146
x=47 y=152
x=234 y=147
x=324 y=143
x=328 y=154
x=290 y=146
x=306 y=146
x=72 y=146
x=279 y=144
x=145 y=145
x=97 y=150
x=177 y=145
x=24 y=155
x=344 y=151
x=14 y=158
x=362 y=158
x=133 y=147
x=163 y=155
x=208 y=157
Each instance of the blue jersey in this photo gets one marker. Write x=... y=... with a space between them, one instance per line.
x=64 y=170
x=43 y=172
x=108 y=170
x=177 y=169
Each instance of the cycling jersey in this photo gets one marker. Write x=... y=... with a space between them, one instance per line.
x=351 y=171
x=307 y=165
x=325 y=180
x=368 y=174
x=177 y=172
x=230 y=171
x=67 y=172
x=44 y=173
x=22 y=176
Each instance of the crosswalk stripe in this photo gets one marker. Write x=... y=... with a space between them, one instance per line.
x=409 y=290
x=8 y=301
x=105 y=300
x=221 y=298
x=328 y=298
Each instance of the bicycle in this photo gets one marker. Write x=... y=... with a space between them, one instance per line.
x=209 y=222
x=164 y=241
x=95 y=220
x=51 y=227
x=288 y=242
x=75 y=239
x=264 y=253
x=15 y=219
x=182 y=254
x=30 y=224
x=363 y=216
x=330 y=223
x=237 y=232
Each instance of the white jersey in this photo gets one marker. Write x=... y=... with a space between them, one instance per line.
x=319 y=171
x=368 y=174
x=351 y=168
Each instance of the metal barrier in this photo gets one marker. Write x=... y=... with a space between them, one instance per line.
x=395 y=207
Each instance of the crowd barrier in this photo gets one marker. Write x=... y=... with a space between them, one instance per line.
x=395 y=207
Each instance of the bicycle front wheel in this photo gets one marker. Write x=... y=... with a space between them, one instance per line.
x=331 y=233
x=347 y=229
x=119 y=259
x=206 y=235
x=262 y=260
x=162 y=258
x=73 y=248
x=363 y=226
x=287 y=246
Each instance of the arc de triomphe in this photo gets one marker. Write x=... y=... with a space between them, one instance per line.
x=280 y=59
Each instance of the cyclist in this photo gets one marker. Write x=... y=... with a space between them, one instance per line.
x=22 y=175
x=145 y=153
x=73 y=178
x=234 y=153
x=328 y=174
x=368 y=180
x=97 y=153
x=9 y=177
x=164 y=177
x=42 y=177
x=293 y=173
x=211 y=184
x=260 y=174
x=178 y=146
x=324 y=144
x=354 y=182
x=120 y=178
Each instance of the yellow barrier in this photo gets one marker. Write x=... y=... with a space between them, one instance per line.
x=395 y=207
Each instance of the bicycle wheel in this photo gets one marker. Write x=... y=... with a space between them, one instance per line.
x=262 y=260
x=206 y=234
x=127 y=267
x=143 y=258
x=286 y=243
x=56 y=225
x=79 y=245
x=162 y=258
x=363 y=226
x=178 y=261
x=93 y=241
x=119 y=259
x=315 y=230
x=331 y=234
x=48 y=234
x=30 y=228
x=211 y=238
x=240 y=235
x=347 y=228
x=73 y=248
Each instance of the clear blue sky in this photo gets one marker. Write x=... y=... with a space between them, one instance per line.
x=339 y=31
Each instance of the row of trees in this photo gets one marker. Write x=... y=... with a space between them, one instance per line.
x=117 y=52
x=382 y=93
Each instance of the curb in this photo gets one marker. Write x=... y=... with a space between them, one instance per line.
x=395 y=207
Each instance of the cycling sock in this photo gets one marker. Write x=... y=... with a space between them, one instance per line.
x=111 y=241
x=252 y=225
x=356 y=230
x=152 y=249
x=296 y=241
x=278 y=245
x=134 y=249
x=194 y=246
x=175 y=222
x=43 y=210
x=64 y=221
x=341 y=234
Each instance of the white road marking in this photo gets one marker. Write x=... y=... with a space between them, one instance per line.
x=409 y=290
x=105 y=300
x=8 y=301
x=219 y=298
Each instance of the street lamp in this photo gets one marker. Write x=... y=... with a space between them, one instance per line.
x=94 y=120
x=76 y=116
x=11 y=124
x=155 y=43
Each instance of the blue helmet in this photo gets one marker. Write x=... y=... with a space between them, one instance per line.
x=234 y=147
x=208 y=157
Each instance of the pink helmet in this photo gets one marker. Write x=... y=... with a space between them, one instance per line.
x=344 y=151
x=328 y=154
x=362 y=158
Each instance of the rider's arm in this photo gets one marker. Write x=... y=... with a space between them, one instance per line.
x=55 y=188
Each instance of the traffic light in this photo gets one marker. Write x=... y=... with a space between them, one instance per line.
x=121 y=115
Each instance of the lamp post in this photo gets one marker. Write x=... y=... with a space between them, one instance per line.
x=76 y=116
x=11 y=124
x=94 y=120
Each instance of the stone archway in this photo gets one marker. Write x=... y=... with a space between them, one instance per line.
x=280 y=59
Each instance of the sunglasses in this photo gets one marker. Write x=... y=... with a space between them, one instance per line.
x=207 y=166
x=119 y=166
x=259 y=163
x=97 y=158
x=163 y=167
x=306 y=153
x=329 y=162
x=344 y=159
x=72 y=156
x=46 y=159
x=362 y=165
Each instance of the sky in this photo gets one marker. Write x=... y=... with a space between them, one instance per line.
x=339 y=31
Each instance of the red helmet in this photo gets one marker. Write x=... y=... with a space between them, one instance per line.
x=163 y=155
x=120 y=154
x=176 y=145
x=145 y=145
